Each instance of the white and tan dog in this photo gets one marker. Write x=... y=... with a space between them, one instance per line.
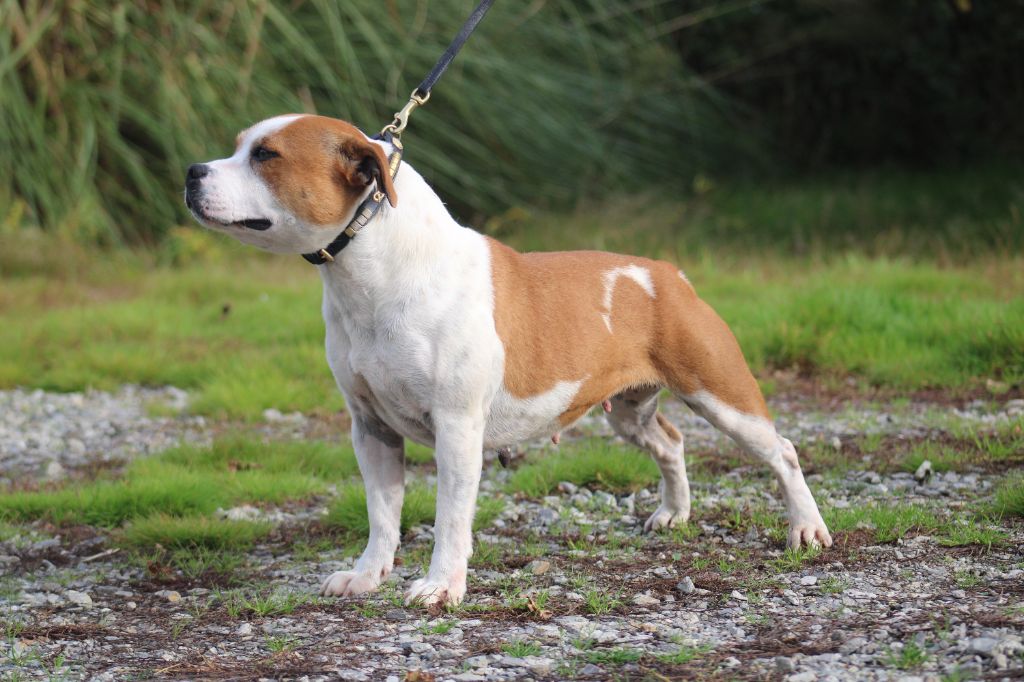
x=439 y=334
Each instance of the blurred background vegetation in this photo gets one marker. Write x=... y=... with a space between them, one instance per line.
x=886 y=127
x=841 y=179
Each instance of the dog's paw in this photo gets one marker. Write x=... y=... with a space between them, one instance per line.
x=812 y=533
x=664 y=517
x=348 y=584
x=427 y=592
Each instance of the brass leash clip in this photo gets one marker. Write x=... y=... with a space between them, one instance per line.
x=402 y=117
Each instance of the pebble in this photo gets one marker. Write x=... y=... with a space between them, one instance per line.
x=983 y=645
x=884 y=591
x=923 y=472
x=54 y=470
x=78 y=598
x=170 y=595
x=538 y=566
x=685 y=586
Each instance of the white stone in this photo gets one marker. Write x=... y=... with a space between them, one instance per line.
x=78 y=598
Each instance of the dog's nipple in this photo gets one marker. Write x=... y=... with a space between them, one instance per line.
x=607 y=405
x=555 y=438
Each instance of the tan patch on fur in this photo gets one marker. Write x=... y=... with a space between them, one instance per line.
x=548 y=313
x=316 y=177
x=670 y=430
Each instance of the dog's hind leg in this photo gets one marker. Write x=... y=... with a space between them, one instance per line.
x=702 y=362
x=381 y=455
x=634 y=416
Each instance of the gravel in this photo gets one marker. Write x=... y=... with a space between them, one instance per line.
x=720 y=601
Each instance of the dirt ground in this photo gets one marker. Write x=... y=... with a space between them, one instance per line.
x=567 y=586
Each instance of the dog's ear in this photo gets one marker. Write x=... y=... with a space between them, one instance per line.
x=368 y=163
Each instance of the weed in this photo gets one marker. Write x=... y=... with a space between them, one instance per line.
x=1009 y=498
x=583 y=643
x=440 y=627
x=521 y=648
x=966 y=579
x=179 y=626
x=600 y=602
x=262 y=604
x=833 y=585
x=683 y=655
x=281 y=643
x=793 y=559
x=961 y=531
x=871 y=442
x=486 y=555
x=942 y=457
x=909 y=657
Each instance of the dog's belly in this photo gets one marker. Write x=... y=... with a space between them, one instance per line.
x=513 y=420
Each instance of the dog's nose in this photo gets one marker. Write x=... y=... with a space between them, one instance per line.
x=197 y=171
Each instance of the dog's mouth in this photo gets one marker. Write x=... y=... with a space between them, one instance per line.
x=259 y=224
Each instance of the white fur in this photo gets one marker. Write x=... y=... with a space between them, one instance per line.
x=412 y=344
x=758 y=437
x=640 y=275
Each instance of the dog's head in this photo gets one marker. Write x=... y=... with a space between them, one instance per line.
x=292 y=184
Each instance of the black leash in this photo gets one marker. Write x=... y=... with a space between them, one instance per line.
x=392 y=134
x=421 y=94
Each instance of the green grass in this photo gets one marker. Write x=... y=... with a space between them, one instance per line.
x=264 y=603
x=965 y=531
x=889 y=523
x=942 y=457
x=1009 y=498
x=599 y=602
x=597 y=463
x=909 y=657
x=189 y=481
x=349 y=514
x=683 y=655
x=168 y=327
x=521 y=648
x=192 y=532
x=892 y=323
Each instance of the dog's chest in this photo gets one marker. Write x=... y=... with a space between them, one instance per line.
x=389 y=378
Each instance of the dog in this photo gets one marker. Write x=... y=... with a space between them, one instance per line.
x=439 y=334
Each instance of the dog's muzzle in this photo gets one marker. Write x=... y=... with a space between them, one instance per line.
x=194 y=193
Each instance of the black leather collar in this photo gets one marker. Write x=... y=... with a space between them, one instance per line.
x=366 y=211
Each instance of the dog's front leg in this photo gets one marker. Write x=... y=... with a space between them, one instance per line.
x=381 y=455
x=459 y=455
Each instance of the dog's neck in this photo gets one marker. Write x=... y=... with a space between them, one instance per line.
x=396 y=255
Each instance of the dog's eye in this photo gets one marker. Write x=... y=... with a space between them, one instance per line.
x=262 y=154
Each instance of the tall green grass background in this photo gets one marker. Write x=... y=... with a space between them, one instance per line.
x=106 y=104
